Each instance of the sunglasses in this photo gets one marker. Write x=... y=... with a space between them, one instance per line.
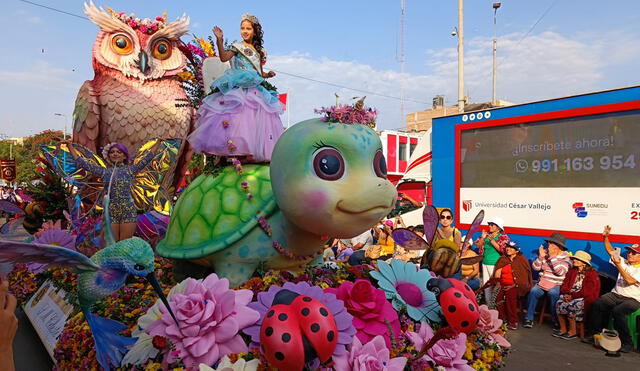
x=448 y=217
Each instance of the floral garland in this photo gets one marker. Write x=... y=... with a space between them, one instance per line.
x=349 y=114
x=143 y=25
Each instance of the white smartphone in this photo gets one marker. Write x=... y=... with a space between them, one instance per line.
x=616 y=252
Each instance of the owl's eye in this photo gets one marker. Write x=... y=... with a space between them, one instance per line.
x=162 y=49
x=121 y=44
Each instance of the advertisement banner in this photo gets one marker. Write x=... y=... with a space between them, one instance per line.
x=572 y=174
x=8 y=170
x=585 y=210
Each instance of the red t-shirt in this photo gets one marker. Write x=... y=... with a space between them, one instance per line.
x=506 y=277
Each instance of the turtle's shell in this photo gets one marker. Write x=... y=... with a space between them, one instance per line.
x=214 y=212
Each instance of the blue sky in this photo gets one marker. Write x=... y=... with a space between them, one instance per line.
x=578 y=46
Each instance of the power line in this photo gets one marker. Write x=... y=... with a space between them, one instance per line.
x=282 y=72
x=55 y=10
x=350 y=88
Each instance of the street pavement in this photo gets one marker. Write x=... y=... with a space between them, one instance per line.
x=536 y=349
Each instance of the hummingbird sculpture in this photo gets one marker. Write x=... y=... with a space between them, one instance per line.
x=98 y=277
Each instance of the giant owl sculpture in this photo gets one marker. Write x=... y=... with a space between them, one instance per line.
x=133 y=96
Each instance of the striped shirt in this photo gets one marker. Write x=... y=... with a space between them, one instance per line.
x=552 y=270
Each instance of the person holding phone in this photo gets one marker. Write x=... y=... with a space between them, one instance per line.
x=8 y=326
x=491 y=246
x=553 y=263
x=624 y=299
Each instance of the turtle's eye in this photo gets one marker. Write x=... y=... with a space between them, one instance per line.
x=138 y=267
x=380 y=165
x=328 y=164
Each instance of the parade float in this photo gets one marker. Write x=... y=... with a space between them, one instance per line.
x=262 y=299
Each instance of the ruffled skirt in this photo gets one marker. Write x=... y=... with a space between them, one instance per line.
x=243 y=119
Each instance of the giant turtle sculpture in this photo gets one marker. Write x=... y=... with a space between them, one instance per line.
x=325 y=179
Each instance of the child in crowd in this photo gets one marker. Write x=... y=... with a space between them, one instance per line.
x=513 y=273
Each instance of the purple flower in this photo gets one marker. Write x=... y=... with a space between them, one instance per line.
x=210 y=316
x=373 y=356
x=446 y=352
x=56 y=237
x=343 y=319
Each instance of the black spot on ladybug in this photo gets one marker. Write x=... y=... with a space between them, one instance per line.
x=268 y=331
x=464 y=323
x=330 y=336
x=452 y=308
x=457 y=295
x=279 y=356
x=471 y=307
x=270 y=314
x=477 y=321
x=315 y=327
x=305 y=312
x=466 y=287
x=286 y=337
x=282 y=317
x=324 y=312
x=306 y=298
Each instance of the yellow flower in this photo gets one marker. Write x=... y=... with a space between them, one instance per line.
x=186 y=76
x=468 y=354
x=324 y=285
x=153 y=367
x=206 y=46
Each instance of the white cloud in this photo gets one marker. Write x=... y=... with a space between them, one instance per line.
x=541 y=66
x=40 y=75
x=34 y=20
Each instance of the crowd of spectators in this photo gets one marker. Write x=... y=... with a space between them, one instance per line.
x=505 y=278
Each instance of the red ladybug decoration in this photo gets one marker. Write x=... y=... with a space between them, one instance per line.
x=297 y=329
x=459 y=308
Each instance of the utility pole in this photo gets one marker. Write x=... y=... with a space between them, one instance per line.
x=494 y=100
x=401 y=61
x=64 y=117
x=460 y=32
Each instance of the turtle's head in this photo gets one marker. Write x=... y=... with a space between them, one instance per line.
x=331 y=179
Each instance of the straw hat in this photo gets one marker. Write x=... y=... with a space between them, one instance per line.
x=583 y=256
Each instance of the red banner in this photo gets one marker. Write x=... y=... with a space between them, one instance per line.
x=8 y=170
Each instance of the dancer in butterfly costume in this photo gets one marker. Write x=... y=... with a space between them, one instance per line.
x=118 y=179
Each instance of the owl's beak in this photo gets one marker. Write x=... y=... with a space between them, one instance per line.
x=143 y=61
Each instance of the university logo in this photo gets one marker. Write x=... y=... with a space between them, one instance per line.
x=579 y=209
x=466 y=205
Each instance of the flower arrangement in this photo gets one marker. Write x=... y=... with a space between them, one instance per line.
x=143 y=25
x=221 y=325
x=350 y=114
x=196 y=52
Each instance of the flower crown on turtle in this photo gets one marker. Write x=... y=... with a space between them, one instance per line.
x=251 y=18
x=144 y=25
x=356 y=113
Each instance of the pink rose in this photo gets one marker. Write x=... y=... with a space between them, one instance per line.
x=210 y=317
x=373 y=356
x=372 y=314
x=132 y=23
x=445 y=353
x=143 y=28
x=490 y=323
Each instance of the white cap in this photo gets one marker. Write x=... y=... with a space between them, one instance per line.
x=497 y=221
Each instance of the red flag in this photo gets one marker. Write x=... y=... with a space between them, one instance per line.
x=283 y=100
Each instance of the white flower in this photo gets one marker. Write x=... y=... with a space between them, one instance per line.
x=143 y=349
x=239 y=365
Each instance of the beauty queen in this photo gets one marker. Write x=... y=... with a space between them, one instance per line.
x=241 y=118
